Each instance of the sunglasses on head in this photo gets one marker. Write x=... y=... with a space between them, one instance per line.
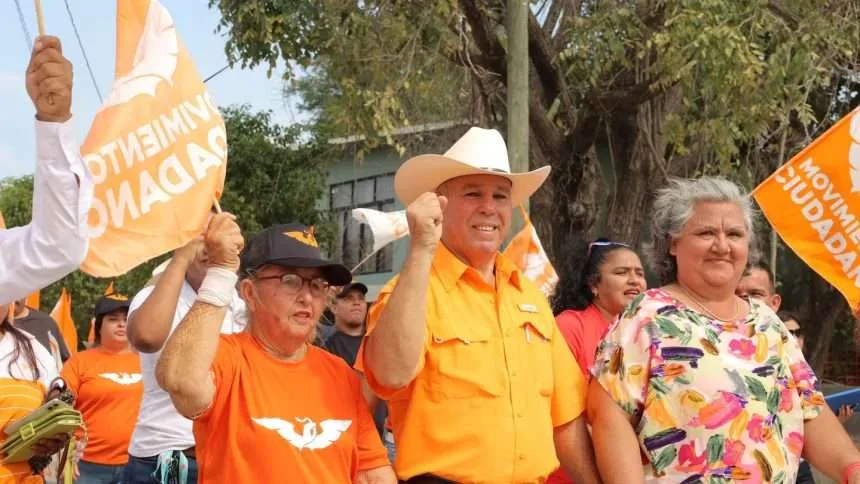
x=605 y=243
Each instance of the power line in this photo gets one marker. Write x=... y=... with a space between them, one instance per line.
x=27 y=37
x=217 y=72
x=83 y=51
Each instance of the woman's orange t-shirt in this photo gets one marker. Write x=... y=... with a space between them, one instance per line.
x=108 y=390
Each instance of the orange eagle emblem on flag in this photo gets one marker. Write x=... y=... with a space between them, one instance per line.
x=306 y=237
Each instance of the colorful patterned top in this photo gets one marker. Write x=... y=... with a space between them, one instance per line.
x=714 y=401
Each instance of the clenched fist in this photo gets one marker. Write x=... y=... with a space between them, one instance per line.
x=224 y=242
x=424 y=216
x=49 y=81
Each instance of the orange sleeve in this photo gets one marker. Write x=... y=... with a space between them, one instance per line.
x=222 y=370
x=71 y=373
x=373 y=315
x=371 y=452
x=569 y=385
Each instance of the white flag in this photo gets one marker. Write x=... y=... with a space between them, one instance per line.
x=385 y=226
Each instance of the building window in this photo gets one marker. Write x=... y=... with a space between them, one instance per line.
x=354 y=241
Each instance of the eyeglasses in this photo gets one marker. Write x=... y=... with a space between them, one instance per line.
x=293 y=283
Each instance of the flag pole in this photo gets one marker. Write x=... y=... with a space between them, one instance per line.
x=40 y=19
x=362 y=261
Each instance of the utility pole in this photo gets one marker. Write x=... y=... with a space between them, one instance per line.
x=517 y=22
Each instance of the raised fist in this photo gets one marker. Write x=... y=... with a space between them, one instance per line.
x=49 y=81
x=424 y=216
x=224 y=242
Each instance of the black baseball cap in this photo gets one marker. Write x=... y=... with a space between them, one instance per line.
x=290 y=245
x=111 y=303
x=349 y=287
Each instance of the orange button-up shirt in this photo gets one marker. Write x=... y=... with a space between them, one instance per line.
x=494 y=380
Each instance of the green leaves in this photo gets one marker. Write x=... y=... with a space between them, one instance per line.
x=665 y=458
x=716 y=448
x=756 y=388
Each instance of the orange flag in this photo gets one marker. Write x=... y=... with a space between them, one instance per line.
x=157 y=149
x=526 y=251
x=109 y=289
x=62 y=314
x=91 y=336
x=33 y=299
x=813 y=202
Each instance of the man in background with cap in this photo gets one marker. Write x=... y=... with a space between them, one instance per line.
x=267 y=405
x=479 y=382
x=349 y=310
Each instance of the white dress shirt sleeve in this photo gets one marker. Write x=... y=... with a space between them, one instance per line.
x=55 y=242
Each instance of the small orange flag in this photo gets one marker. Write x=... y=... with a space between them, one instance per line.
x=91 y=337
x=62 y=314
x=157 y=149
x=526 y=251
x=2 y=221
x=813 y=202
x=33 y=300
x=109 y=289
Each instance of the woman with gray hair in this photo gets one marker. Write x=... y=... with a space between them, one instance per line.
x=710 y=386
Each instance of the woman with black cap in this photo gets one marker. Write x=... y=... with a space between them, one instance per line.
x=107 y=383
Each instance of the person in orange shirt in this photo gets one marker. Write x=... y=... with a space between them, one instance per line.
x=480 y=384
x=267 y=405
x=596 y=284
x=106 y=381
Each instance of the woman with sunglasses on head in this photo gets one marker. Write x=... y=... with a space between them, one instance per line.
x=106 y=381
x=595 y=285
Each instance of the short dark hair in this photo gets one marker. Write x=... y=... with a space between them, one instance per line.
x=790 y=315
x=763 y=266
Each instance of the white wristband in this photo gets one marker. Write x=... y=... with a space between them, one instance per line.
x=217 y=287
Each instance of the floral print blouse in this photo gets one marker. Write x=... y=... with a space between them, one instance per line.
x=715 y=402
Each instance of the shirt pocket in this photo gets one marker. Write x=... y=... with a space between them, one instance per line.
x=464 y=362
x=537 y=350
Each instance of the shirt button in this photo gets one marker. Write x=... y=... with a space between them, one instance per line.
x=513 y=372
x=522 y=456
x=520 y=415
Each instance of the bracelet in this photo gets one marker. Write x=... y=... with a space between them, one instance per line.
x=217 y=287
x=849 y=471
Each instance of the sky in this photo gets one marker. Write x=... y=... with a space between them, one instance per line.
x=96 y=22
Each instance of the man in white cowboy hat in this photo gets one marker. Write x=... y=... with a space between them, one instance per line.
x=480 y=384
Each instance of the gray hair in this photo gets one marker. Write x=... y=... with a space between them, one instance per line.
x=673 y=208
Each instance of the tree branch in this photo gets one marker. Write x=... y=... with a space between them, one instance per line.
x=543 y=59
x=783 y=13
x=555 y=12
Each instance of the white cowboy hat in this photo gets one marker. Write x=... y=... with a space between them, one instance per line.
x=479 y=151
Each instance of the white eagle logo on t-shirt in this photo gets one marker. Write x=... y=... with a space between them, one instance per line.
x=123 y=378
x=313 y=436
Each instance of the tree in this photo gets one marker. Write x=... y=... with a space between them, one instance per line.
x=274 y=175
x=624 y=92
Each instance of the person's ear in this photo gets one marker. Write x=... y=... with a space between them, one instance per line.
x=776 y=302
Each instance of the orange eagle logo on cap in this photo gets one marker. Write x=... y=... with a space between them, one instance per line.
x=116 y=297
x=306 y=237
